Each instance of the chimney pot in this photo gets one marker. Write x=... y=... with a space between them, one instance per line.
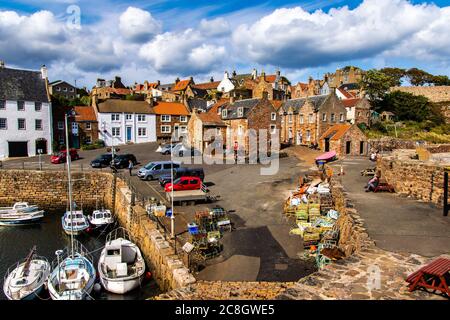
x=2 y=64
x=44 y=72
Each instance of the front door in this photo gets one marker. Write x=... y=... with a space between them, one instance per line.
x=348 y=146
x=299 y=138
x=327 y=144
x=128 y=134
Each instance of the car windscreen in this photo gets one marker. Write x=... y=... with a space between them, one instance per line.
x=149 y=166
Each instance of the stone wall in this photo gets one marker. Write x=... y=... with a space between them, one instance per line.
x=422 y=180
x=434 y=93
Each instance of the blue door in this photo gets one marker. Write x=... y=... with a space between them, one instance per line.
x=128 y=134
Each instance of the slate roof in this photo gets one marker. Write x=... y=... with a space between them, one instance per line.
x=195 y=103
x=350 y=86
x=247 y=105
x=22 y=85
x=198 y=92
x=126 y=106
x=296 y=104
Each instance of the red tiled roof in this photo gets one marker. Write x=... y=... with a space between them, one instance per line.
x=170 y=108
x=350 y=102
x=207 y=85
x=277 y=104
x=336 y=132
x=271 y=78
x=181 y=85
x=347 y=94
x=85 y=113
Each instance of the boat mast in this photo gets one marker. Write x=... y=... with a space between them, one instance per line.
x=68 y=160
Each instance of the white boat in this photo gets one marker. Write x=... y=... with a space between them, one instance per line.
x=101 y=219
x=73 y=275
x=74 y=223
x=121 y=265
x=26 y=279
x=19 y=214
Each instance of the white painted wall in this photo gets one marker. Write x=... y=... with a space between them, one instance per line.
x=351 y=114
x=225 y=85
x=105 y=123
x=12 y=133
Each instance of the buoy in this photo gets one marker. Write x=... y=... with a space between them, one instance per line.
x=97 y=287
x=148 y=275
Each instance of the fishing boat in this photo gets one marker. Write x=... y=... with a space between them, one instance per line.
x=121 y=265
x=73 y=274
x=19 y=214
x=74 y=222
x=101 y=219
x=26 y=279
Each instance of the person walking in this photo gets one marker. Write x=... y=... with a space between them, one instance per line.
x=236 y=149
x=130 y=167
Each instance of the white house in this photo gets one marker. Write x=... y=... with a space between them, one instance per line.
x=25 y=113
x=125 y=121
x=226 y=85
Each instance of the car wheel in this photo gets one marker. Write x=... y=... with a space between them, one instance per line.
x=149 y=178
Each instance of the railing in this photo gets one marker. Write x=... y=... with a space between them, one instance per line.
x=27 y=165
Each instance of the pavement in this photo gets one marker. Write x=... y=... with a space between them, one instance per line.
x=396 y=223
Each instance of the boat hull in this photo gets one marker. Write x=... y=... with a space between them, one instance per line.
x=121 y=286
x=20 y=222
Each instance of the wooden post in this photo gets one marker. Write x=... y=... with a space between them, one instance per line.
x=446 y=205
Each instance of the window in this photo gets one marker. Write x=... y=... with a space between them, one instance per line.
x=88 y=126
x=142 y=132
x=224 y=113
x=3 y=124
x=359 y=113
x=273 y=129
x=128 y=116
x=60 y=125
x=2 y=104
x=273 y=116
x=324 y=117
x=21 y=125
x=240 y=112
x=71 y=90
x=58 y=89
x=115 y=117
x=166 y=129
x=38 y=124
x=183 y=118
x=37 y=106
x=165 y=118
x=240 y=130
x=88 y=140
x=308 y=135
x=290 y=118
x=341 y=117
x=116 y=132
x=183 y=129
x=310 y=118
x=141 y=117
x=332 y=118
x=301 y=119
x=20 y=106
x=61 y=139
x=65 y=89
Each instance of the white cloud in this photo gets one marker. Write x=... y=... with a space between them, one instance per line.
x=184 y=52
x=215 y=27
x=295 y=38
x=138 y=25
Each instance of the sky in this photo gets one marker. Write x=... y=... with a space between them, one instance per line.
x=82 y=40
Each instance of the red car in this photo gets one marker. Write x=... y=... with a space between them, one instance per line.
x=60 y=157
x=184 y=183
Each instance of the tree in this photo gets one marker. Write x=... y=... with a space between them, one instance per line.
x=418 y=77
x=407 y=106
x=440 y=80
x=395 y=73
x=376 y=85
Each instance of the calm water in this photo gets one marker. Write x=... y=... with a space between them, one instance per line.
x=48 y=236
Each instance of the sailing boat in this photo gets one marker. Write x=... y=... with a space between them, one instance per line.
x=26 y=279
x=121 y=265
x=73 y=274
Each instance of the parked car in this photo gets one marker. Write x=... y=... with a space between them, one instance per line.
x=182 y=172
x=184 y=183
x=102 y=161
x=122 y=160
x=60 y=157
x=154 y=170
x=165 y=149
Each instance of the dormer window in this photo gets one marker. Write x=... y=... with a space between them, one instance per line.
x=20 y=105
x=224 y=113
x=240 y=112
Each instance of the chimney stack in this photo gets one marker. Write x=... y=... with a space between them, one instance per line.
x=254 y=74
x=177 y=80
x=226 y=75
x=44 y=73
x=212 y=79
x=2 y=64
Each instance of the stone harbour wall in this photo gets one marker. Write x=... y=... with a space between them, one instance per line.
x=414 y=178
x=389 y=144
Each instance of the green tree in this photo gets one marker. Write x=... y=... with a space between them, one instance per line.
x=418 y=77
x=395 y=73
x=376 y=85
x=440 y=80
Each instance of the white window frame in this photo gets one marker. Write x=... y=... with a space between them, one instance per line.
x=65 y=89
x=128 y=117
x=166 y=118
x=88 y=126
x=182 y=129
x=163 y=127
x=115 y=117
x=273 y=129
x=24 y=124
x=324 y=117
x=341 y=117
x=36 y=127
x=224 y=113
x=86 y=139
x=310 y=118
x=19 y=104
x=332 y=117
x=60 y=125
x=38 y=106
x=140 y=134
x=302 y=119
x=6 y=124
x=273 y=116
x=141 y=118
x=290 y=117
x=58 y=89
x=114 y=130
x=183 y=118
x=240 y=112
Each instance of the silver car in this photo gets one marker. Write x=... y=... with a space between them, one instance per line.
x=154 y=170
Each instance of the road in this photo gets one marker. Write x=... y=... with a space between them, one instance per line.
x=395 y=223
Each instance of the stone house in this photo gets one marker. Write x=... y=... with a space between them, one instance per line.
x=264 y=86
x=345 y=139
x=62 y=89
x=25 y=113
x=206 y=127
x=172 y=118
x=358 y=110
x=387 y=116
x=243 y=115
x=125 y=121
x=110 y=89
x=87 y=124
x=344 y=76
x=305 y=119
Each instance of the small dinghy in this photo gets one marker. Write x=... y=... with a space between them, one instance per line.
x=73 y=275
x=101 y=219
x=326 y=157
x=121 y=266
x=19 y=214
x=74 y=222
x=26 y=279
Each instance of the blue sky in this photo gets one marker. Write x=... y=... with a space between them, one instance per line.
x=162 y=39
